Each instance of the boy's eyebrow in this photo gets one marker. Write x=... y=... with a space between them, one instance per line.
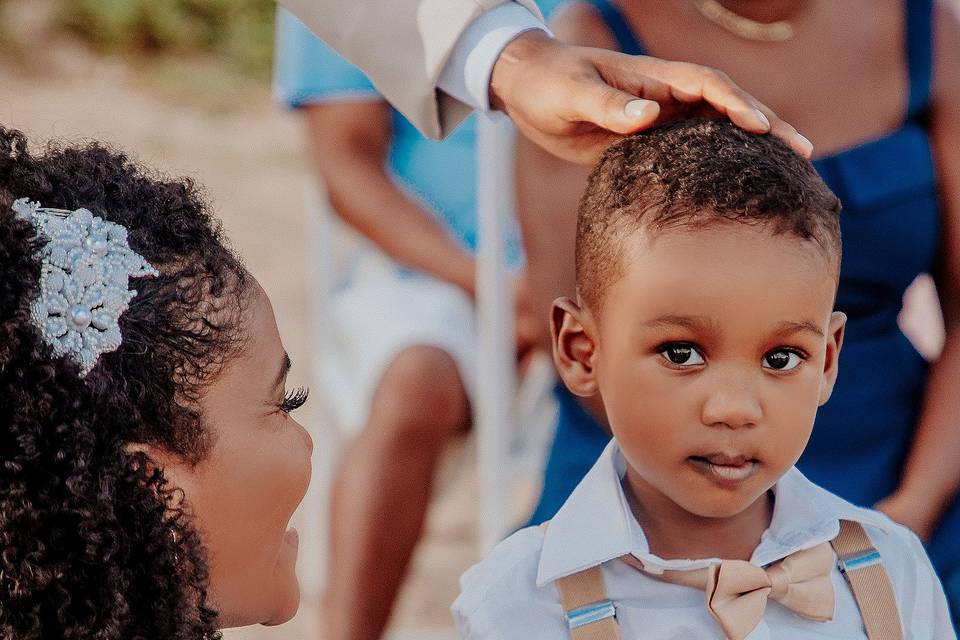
x=703 y=322
x=284 y=369
x=797 y=327
x=688 y=322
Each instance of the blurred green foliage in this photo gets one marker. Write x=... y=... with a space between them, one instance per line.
x=239 y=31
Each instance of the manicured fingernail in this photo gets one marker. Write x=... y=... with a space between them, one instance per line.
x=808 y=146
x=640 y=108
x=762 y=118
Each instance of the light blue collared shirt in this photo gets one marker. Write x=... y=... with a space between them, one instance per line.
x=511 y=594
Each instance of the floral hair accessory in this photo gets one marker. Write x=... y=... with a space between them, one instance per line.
x=85 y=267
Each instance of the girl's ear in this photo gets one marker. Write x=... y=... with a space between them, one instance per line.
x=177 y=471
x=573 y=347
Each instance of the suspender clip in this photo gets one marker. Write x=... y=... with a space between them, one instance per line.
x=590 y=613
x=861 y=560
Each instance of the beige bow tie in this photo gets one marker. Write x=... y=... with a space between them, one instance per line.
x=737 y=591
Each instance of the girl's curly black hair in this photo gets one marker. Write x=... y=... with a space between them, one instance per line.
x=94 y=541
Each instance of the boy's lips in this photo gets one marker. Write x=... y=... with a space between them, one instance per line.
x=725 y=459
x=726 y=469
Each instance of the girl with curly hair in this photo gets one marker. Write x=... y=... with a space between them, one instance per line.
x=146 y=492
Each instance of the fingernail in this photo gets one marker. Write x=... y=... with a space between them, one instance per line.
x=762 y=118
x=640 y=108
x=808 y=146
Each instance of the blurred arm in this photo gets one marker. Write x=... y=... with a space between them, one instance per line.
x=350 y=142
x=931 y=476
x=549 y=190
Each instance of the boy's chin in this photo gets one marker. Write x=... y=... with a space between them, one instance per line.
x=727 y=509
x=718 y=503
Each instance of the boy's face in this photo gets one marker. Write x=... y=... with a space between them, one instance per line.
x=711 y=354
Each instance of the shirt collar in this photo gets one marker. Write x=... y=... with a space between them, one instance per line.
x=595 y=524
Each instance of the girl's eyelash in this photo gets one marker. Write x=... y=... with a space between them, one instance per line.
x=294 y=399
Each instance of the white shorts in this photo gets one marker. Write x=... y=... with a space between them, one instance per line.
x=374 y=319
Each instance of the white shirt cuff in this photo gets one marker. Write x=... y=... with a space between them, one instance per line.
x=466 y=76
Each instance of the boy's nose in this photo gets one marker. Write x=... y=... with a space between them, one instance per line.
x=733 y=406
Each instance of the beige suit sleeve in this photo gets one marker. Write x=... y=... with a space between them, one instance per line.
x=402 y=46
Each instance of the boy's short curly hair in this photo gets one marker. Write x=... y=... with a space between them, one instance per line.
x=692 y=173
x=93 y=540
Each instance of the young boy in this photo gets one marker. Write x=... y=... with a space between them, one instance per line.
x=707 y=262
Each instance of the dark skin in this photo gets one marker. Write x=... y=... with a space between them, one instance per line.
x=245 y=491
x=712 y=350
x=837 y=100
x=574 y=102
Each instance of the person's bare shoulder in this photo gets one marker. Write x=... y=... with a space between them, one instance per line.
x=580 y=24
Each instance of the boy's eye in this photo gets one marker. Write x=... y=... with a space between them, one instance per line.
x=782 y=360
x=684 y=355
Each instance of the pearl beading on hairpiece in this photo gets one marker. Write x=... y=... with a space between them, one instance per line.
x=84 y=281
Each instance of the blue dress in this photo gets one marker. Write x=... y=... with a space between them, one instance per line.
x=890 y=227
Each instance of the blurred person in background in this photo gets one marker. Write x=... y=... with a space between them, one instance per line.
x=876 y=88
x=411 y=324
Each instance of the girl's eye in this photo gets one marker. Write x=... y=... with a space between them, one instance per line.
x=294 y=399
x=783 y=360
x=684 y=355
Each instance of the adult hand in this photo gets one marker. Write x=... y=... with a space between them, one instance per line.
x=576 y=101
x=915 y=514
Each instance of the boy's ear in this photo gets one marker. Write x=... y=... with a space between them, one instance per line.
x=573 y=348
x=835 y=330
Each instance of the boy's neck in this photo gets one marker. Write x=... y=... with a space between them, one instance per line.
x=672 y=532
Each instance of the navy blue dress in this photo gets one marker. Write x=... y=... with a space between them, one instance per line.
x=890 y=226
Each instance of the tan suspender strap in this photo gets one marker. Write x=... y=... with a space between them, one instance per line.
x=588 y=611
x=583 y=592
x=861 y=565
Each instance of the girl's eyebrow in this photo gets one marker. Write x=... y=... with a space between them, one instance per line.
x=284 y=370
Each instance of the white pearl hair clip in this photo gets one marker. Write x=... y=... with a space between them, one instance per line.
x=85 y=267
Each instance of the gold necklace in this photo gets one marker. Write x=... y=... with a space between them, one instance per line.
x=745 y=28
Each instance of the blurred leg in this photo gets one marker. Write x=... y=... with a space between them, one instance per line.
x=382 y=489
